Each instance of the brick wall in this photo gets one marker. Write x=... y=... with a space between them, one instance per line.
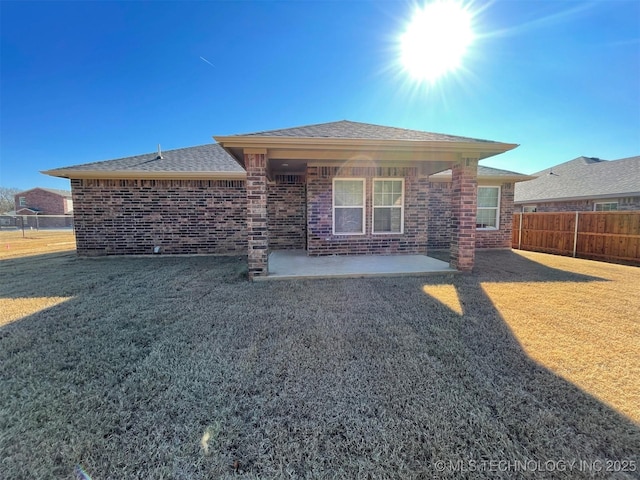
x=320 y=238
x=117 y=217
x=287 y=212
x=439 y=231
x=624 y=203
x=463 y=214
x=48 y=203
x=257 y=214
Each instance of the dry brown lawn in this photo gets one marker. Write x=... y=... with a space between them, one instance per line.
x=586 y=332
x=169 y=367
x=35 y=242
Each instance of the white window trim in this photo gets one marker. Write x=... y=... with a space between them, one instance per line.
x=333 y=205
x=22 y=201
x=373 y=207
x=497 y=208
x=529 y=208
x=595 y=206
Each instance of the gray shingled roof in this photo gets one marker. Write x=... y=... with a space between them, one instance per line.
x=63 y=193
x=212 y=158
x=487 y=172
x=357 y=130
x=582 y=177
x=203 y=158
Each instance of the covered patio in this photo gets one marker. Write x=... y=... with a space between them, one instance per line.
x=354 y=190
x=296 y=264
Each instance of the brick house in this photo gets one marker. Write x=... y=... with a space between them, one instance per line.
x=43 y=202
x=334 y=188
x=583 y=184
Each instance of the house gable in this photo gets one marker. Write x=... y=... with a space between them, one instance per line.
x=292 y=150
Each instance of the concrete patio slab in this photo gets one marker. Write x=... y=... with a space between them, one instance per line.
x=295 y=264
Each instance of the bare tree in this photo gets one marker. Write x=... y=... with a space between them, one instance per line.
x=7 y=201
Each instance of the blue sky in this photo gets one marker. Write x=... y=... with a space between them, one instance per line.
x=88 y=81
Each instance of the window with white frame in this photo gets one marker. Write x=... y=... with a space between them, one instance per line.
x=488 y=208
x=388 y=205
x=22 y=201
x=605 y=206
x=529 y=209
x=348 y=206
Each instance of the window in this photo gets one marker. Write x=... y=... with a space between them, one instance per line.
x=22 y=201
x=388 y=205
x=488 y=208
x=529 y=209
x=605 y=206
x=348 y=206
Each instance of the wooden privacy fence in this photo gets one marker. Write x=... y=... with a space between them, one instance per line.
x=607 y=236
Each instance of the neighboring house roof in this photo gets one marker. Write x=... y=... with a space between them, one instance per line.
x=198 y=161
x=358 y=130
x=582 y=178
x=485 y=174
x=62 y=193
x=30 y=209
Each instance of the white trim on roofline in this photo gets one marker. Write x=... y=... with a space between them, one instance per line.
x=144 y=175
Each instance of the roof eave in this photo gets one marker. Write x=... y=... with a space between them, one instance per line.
x=483 y=149
x=488 y=178
x=328 y=142
x=142 y=174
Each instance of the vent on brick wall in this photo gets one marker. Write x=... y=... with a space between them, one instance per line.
x=227 y=183
x=395 y=172
x=159 y=183
x=328 y=171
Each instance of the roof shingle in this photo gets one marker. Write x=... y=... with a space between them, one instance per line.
x=214 y=159
x=62 y=193
x=358 y=130
x=202 y=158
x=582 y=177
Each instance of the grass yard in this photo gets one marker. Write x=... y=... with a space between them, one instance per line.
x=178 y=368
x=35 y=242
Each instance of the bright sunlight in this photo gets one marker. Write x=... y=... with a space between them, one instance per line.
x=436 y=40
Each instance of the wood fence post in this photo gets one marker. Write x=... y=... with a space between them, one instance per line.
x=575 y=236
x=520 y=231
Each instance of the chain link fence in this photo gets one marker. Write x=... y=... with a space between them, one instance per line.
x=36 y=222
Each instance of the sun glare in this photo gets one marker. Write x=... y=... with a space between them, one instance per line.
x=436 y=40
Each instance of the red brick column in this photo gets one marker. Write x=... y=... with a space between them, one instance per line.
x=257 y=222
x=463 y=214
